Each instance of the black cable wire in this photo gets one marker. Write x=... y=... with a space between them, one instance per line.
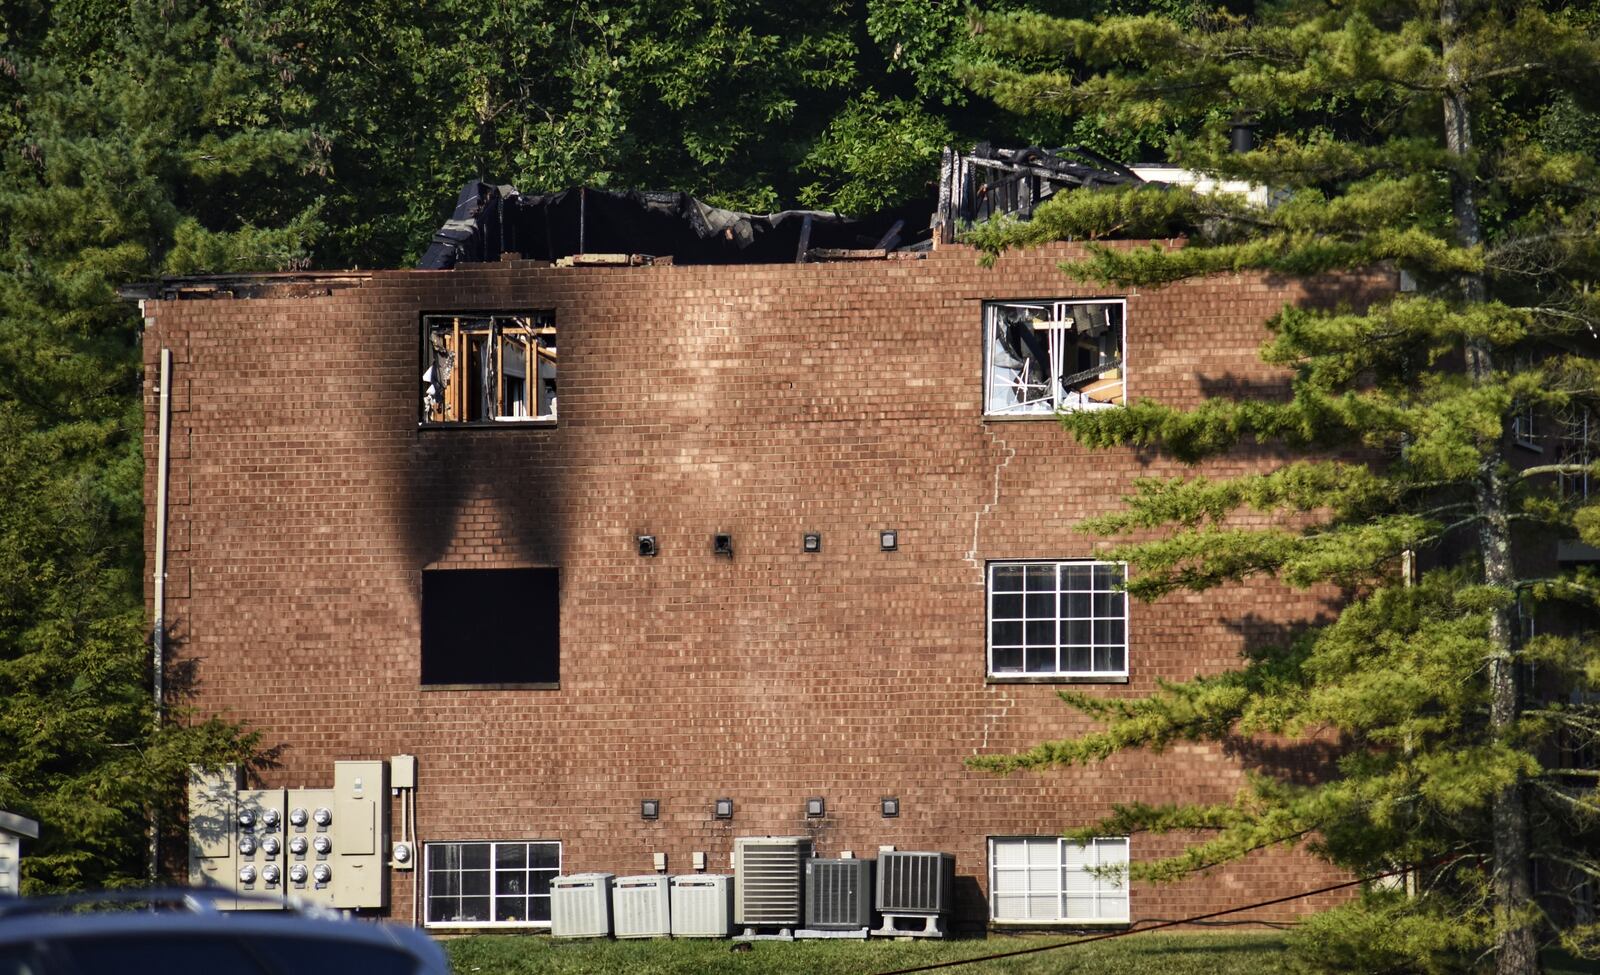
x=1154 y=927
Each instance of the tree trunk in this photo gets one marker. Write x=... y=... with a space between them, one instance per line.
x=1516 y=948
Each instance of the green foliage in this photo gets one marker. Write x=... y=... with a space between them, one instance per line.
x=1407 y=410
x=875 y=154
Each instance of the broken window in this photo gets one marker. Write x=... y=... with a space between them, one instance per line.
x=491 y=627
x=488 y=368
x=1045 y=356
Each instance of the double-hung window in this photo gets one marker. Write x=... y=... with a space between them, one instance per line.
x=1041 y=357
x=1042 y=879
x=505 y=884
x=1057 y=619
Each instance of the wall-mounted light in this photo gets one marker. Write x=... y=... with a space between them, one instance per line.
x=815 y=808
x=889 y=540
x=722 y=544
x=722 y=809
x=647 y=545
x=812 y=542
x=649 y=808
x=890 y=806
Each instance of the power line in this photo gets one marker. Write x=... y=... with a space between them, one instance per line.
x=1154 y=927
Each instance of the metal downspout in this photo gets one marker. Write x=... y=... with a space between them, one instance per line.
x=158 y=636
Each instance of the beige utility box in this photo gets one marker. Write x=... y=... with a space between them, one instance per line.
x=360 y=832
x=311 y=846
x=13 y=830
x=262 y=843
x=213 y=830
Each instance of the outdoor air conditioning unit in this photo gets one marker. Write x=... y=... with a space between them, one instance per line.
x=580 y=906
x=768 y=873
x=838 y=895
x=915 y=883
x=702 y=906
x=640 y=907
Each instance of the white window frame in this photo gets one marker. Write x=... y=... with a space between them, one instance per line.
x=493 y=871
x=1062 y=613
x=1055 y=323
x=1057 y=871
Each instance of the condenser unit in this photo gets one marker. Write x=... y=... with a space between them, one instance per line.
x=640 y=907
x=769 y=872
x=838 y=894
x=702 y=906
x=580 y=906
x=915 y=883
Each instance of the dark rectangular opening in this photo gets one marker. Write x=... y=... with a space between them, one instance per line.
x=491 y=626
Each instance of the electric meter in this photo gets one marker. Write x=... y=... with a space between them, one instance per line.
x=247 y=845
x=270 y=873
x=322 y=874
x=247 y=874
x=297 y=816
x=402 y=853
x=247 y=818
x=322 y=816
x=297 y=846
x=270 y=818
x=297 y=873
x=270 y=846
x=322 y=845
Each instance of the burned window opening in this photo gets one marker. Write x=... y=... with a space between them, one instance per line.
x=489 y=368
x=1046 y=356
x=491 y=627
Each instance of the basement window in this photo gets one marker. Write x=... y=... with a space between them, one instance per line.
x=489 y=369
x=1042 y=357
x=490 y=884
x=1057 y=621
x=1050 y=880
x=491 y=628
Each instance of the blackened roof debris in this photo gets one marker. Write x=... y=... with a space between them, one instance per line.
x=988 y=182
x=491 y=222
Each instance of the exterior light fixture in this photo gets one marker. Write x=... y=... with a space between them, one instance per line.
x=889 y=540
x=722 y=544
x=890 y=806
x=650 y=809
x=723 y=809
x=816 y=807
x=647 y=545
x=812 y=542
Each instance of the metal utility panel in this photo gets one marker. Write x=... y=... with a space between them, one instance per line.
x=838 y=894
x=213 y=801
x=915 y=882
x=360 y=834
x=310 y=844
x=641 y=906
x=260 y=840
x=403 y=772
x=702 y=906
x=768 y=874
x=580 y=906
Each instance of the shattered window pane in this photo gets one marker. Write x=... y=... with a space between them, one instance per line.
x=1045 y=356
x=1069 y=620
x=489 y=368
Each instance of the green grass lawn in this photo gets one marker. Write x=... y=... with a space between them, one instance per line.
x=1218 y=953
x=1148 y=954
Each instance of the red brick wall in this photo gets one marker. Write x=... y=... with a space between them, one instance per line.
x=762 y=401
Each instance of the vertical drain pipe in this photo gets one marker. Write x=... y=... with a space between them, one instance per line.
x=158 y=637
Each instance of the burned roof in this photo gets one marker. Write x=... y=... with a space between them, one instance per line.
x=491 y=223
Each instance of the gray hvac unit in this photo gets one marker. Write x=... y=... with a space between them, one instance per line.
x=580 y=906
x=702 y=906
x=640 y=907
x=838 y=894
x=768 y=873
x=915 y=883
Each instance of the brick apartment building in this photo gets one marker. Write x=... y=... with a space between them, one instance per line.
x=781 y=532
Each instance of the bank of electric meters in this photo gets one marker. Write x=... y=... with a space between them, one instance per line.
x=322 y=846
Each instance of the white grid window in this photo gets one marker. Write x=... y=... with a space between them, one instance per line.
x=1048 y=879
x=480 y=884
x=1045 y=356
x=1057 y=619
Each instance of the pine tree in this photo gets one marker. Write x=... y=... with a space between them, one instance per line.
x=139 y=143
x=1447 y=140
